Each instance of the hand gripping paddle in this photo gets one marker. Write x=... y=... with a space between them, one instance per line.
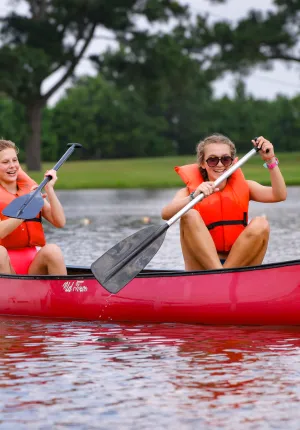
x=29 y=205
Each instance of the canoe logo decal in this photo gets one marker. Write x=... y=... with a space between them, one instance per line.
x=76 y=286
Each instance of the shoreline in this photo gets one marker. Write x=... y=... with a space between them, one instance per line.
x=153 y=173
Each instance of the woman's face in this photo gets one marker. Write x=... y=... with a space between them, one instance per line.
x=212 y=163
x=9 y=165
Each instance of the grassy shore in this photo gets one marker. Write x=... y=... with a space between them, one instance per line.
x=154 y=172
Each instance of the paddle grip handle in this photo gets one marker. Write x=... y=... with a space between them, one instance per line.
x=258 y=149
x=67 y=154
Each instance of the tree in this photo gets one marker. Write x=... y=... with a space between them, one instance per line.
x=258 y=39
x=109 y=122
x=174 y=83
x=12 y=124
x=53 y=37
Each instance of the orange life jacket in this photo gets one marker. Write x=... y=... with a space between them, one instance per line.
x=225 y=212
x=30 y=232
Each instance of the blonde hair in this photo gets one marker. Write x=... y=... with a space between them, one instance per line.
x=214 y=138
x=5 y=144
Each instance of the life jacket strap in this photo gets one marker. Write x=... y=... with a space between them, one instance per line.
x=243 y=222
x=37 y=219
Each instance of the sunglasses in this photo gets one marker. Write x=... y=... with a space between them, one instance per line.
x=226 y=160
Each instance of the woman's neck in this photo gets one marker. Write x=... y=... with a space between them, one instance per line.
x=11 y=187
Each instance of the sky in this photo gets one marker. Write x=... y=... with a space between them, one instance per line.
x=282 y=79
x=263 y=84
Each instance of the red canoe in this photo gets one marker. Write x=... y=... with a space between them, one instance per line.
x=260 y=295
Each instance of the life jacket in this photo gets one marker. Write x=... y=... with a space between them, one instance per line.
x=30 y=232
x=225 y=212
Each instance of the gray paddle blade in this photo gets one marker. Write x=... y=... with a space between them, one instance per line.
x=21 y=208
x=28 y=206
x=120 y=264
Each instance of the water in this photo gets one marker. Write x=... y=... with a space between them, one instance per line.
x=87 y=375
x=99 y=376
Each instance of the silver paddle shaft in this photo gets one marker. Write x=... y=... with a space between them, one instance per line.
x=216 y=183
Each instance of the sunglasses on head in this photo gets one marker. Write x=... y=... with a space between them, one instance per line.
x=226 y=160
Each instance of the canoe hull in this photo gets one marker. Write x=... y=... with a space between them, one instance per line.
x=263 y=295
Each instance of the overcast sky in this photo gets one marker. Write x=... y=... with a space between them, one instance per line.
x=266 y=84
x=261 y=83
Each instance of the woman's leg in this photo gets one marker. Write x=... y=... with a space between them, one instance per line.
x=198 y=248
x=250 y=247
x=5 y=265
x=48 y=261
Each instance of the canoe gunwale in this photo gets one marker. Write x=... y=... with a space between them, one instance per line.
x=154 y=273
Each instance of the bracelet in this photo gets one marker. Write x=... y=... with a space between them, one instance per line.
x=192 y=195
x=271 y=166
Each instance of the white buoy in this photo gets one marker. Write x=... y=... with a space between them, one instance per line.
x=85 y=221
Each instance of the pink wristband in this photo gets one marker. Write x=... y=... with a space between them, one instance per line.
x=272 y=165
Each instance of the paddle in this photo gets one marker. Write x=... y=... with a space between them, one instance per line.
x=126 y=259
x=29 y=205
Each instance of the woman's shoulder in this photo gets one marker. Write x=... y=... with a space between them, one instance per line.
x=183 y=192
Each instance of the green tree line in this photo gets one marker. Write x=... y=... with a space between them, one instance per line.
x=112 y=122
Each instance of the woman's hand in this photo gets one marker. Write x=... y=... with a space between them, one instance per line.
x=206 y=188
x=266 y=148
x=52 y=181
x=34 y=187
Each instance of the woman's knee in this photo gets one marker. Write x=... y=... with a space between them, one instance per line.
x=52 y=252
x=3 y=253
x=5 y=264
x=259 y=226
x=191 y=218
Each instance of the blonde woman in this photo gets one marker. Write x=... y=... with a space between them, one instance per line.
x=23 y=248
x=215 y=234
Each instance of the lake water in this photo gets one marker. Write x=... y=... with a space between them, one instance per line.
x=90 y=375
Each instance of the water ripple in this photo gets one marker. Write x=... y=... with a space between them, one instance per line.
x=89 y=375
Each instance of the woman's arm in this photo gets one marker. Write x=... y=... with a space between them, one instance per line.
x=53 y=210
x=277 y=192
x=8 y=226
x=263 y=194
x=182 y=198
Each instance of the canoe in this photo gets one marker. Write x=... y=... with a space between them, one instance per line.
x=260 y=295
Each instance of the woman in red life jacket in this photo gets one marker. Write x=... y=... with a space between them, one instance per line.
x=23 y=249
x=215 y=233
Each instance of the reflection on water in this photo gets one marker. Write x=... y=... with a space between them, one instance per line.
x=115 y=214
x=84 y=375
x=88 y=375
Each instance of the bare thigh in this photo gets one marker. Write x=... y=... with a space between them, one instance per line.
x=198 y=248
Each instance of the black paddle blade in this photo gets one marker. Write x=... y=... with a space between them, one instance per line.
x=19 y=208
x=124 y=261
